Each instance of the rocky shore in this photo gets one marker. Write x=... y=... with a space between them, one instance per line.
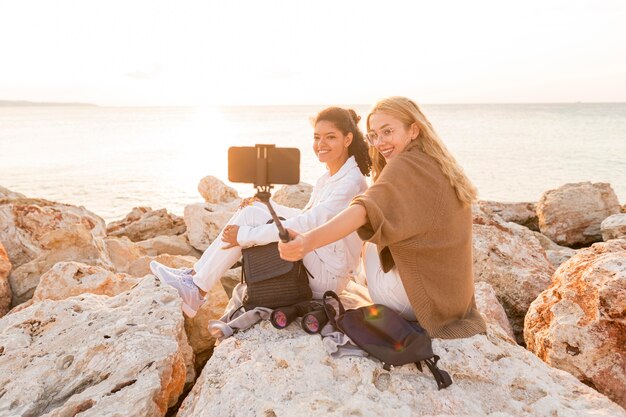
x=85 y=329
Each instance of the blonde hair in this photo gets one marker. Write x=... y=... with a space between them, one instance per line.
x=428 y=142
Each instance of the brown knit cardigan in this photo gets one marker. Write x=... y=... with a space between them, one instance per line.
x=418 y=223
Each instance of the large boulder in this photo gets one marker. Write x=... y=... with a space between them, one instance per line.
x=556 y=254
x=5 y=288
x=579 y=323
x=68 y=279
x=295 y=196
x=571 y=215
x=215 y=191
x=38 y=233
x=171 y=245
x=268 y=372
x=524 y=214
x=95 y=355
x=205 y=221
x=614 y=227
x=511 y=260
x=144 y=223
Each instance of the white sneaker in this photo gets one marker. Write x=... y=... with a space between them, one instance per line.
x=154 y=265
x=187 y=289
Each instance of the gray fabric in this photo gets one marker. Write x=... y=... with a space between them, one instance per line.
x=336 y=343
x=235 y=317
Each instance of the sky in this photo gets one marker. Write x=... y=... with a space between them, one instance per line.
x=161 y=53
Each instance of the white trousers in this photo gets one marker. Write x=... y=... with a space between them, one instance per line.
x=215 y=260
x=385 y=287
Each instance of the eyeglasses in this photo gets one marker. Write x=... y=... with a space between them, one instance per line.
x=385 y=136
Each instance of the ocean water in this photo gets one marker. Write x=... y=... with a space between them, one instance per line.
x=111 y=159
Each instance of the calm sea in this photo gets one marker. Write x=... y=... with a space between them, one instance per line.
x=111 y=159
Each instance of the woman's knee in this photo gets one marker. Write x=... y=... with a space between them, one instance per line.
x=251 y=216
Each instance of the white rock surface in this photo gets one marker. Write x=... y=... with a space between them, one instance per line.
x=614 y=227
x=571 y=215
x=524 y=214
x=285 y=373
x=509 y=257
x=215 y=191
x=38 y=233
x=205 y=221
x=144 y=223
x=95 y=355
x=579 y=323
x=295 y=196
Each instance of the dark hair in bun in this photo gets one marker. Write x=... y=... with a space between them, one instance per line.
x=347 y=121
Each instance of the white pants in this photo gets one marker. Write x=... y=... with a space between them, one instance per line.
x=385 y=287
x=215 y=260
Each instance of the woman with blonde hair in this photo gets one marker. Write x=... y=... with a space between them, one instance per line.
x=417 y=220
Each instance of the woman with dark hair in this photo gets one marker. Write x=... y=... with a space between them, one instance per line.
x=338 y=143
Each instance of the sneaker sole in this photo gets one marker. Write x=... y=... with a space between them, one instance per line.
x=189 y=312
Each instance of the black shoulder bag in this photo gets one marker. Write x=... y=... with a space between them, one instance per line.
x=387 y=336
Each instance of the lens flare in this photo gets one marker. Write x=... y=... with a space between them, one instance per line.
x=372 y=313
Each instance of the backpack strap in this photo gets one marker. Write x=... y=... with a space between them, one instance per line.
x=442 y=377
x=330 y=311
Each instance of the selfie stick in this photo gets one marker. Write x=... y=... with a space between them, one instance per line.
x=263 y=189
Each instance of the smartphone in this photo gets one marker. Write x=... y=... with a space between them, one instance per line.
x=263 y=165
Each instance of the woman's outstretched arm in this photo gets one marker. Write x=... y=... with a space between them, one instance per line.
x=340 y=226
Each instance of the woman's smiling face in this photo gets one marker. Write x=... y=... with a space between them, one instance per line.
x=330 y=144
x=389 y=135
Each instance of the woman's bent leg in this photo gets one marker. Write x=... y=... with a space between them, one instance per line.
x=215 y=260
x=322 y=279
x=385 y=287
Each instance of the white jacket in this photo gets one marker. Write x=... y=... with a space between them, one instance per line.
x=330 y=196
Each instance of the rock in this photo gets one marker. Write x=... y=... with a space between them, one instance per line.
x=197 y=330
x=571 y=215
x=556 y=254
x=524 y=214
x=614 y=227
x=6 y=193
x=67 y=279
x=171 y=245
x=268 y=372
x=490 y=308
x=295 y=196
x=215 y=191
x=130 y=258
x=38 y=233
x=5 y=288
x=205 y=221
x=578 y=324
x=141 y=266
x=509 y=257
x=95 y=355
x=123 y=253
x=144 y=223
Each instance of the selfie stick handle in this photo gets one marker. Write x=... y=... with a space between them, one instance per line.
x=264 y=196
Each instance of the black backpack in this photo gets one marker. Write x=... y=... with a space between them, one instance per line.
x=387 y=336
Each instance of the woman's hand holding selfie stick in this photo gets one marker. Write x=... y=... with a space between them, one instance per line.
x=336 y=228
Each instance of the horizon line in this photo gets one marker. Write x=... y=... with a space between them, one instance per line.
x=28 y=103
